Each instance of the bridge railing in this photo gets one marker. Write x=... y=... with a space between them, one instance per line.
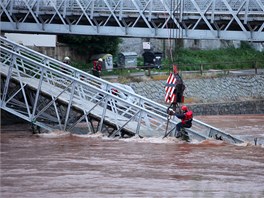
x=84 y=91
x=194 y=19
x=76 y=93
x=68 y=70
x=74 y=86
x=185 y=6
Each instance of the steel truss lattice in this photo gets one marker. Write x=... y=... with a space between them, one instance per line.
x=189 y=19
x=52 y=95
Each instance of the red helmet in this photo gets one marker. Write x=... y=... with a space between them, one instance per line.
x=184 y=108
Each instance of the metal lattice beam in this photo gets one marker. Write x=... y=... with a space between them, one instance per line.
x=54 y=95
x=190 y=19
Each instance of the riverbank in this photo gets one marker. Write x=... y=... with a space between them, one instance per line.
x=239 y=92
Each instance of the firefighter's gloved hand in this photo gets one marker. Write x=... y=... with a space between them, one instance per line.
x=171 y=112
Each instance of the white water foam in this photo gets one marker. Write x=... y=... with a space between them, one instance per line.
x=54 y=134
x=136 y=138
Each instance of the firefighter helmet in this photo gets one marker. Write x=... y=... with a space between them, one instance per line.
x=66 y=58
x=184 y=108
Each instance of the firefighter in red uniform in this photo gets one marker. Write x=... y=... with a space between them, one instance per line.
x=186 y=120
x=97 y=67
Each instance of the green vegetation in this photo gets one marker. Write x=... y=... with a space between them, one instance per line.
x=229 y=58
x=82 y=66
x=87 y=46
x=244 y=57
x=90 y=45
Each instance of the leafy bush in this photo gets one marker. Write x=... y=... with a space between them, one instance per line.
x=189 y=60
x=90 y=45
x=240 y=58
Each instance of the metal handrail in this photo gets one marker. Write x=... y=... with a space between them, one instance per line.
x=57 y=79
x=156 y=6
x=86 y=77
x=44 y=70
x=146 y=18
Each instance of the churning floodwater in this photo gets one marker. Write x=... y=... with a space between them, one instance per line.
x=64 y=165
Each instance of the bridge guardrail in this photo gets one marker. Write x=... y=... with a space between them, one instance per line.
x=192 y=19
x=27 y=65
x=75 y=90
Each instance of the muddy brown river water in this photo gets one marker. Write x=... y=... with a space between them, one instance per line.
x=63 y=165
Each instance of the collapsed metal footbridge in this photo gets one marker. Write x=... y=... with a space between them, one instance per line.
x=52 y=95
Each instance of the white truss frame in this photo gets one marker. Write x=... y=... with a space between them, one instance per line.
x=51 y=94
x=189 y=19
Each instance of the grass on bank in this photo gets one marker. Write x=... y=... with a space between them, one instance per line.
x=244 y=57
